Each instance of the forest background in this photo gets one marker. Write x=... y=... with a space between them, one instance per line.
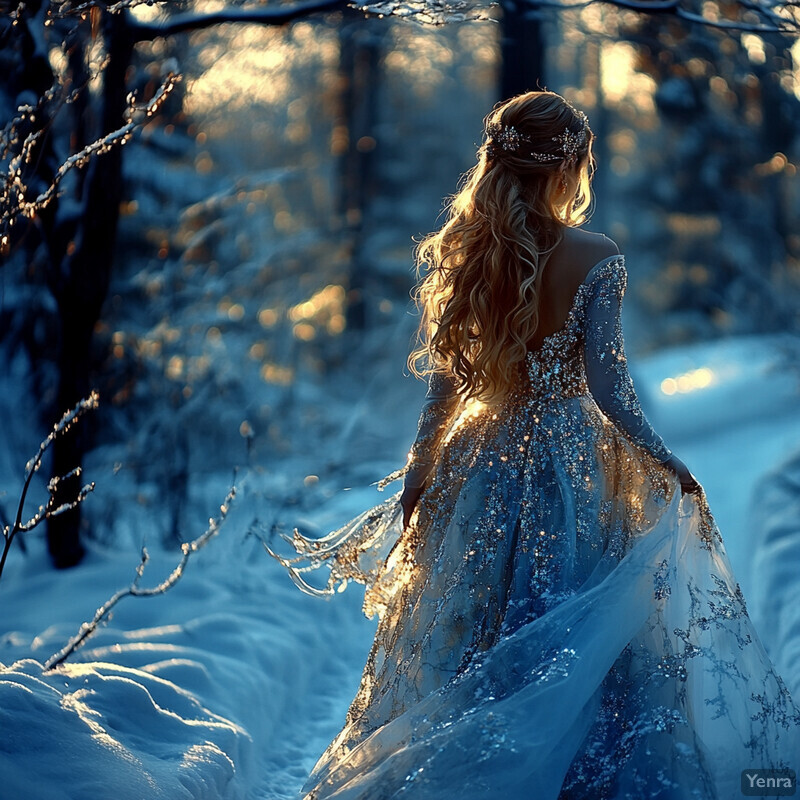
x=234 y=281
x=254 y=244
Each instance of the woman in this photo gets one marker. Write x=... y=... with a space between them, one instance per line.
x=557 y=614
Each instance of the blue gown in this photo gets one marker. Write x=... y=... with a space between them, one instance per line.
x=557 y=622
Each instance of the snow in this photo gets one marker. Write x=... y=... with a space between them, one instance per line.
x=211 y=691
x=731 y=432
x=232 y=684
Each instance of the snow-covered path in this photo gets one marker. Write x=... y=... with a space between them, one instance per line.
x=233 y=684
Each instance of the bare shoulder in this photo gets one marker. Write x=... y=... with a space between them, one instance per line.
x=581 y=250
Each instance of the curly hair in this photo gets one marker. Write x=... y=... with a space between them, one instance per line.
x=482 y=270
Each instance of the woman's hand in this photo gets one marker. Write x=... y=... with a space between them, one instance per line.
x=408 y=500
x=689 y=484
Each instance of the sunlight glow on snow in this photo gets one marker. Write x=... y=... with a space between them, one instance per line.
x=277 y=374
x=248 y=65
x=620 y=80
x=324 y=309
x=688 y=381
x=423 y=60
x=795 y=51
x=75 y=702
x=58 y=60
x=755 y=48
x=146 y=13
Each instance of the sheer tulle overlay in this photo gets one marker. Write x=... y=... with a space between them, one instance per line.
x=557 y=621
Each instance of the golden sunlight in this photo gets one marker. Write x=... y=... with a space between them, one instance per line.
x=249 y=65
x=688 y=381
x=324 y=309
x=621 y=82
x=795 y=72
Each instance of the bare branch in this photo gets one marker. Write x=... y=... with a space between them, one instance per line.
x=431 y=12
x=135 y=590
x=440 y=12
x=50 y=509
x=70 y=9
x=12 y=194
x=181 y=23
x=10 y=530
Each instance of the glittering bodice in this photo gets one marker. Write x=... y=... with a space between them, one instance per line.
x=556 y=369
x=584 y=358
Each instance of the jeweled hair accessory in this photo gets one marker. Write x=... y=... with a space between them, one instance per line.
x=572 y=143
x=506 y=138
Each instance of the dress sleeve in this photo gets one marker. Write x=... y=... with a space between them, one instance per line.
x=606 y=365
x=441 y=401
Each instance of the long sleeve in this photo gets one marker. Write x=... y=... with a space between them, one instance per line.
x=437 y=412
x=606 y=365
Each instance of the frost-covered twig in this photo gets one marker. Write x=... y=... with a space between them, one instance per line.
x=277 y=14
x=759 y=16
x=14 y=202
x=68 y=8
x=134 y=590
x=272 y=14
x=762 y=10
x=49 y=509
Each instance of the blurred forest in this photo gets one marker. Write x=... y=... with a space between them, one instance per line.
x=234 y=280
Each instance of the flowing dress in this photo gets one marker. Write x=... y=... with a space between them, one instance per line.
x=557 y=622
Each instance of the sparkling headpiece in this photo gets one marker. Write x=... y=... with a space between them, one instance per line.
x=508 y=139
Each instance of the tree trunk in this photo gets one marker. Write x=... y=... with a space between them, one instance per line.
x=361 y=48
x=82 y=288
x=522 y=51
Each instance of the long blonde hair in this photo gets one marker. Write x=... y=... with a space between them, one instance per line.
x=479 y=294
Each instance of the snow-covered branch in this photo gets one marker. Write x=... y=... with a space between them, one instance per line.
x=14 y=202
x=135 y=590
x=67 y=8
x=756 y=16
x=50 y=508
x=272 y=15
x=772 y=22
x=747 y=16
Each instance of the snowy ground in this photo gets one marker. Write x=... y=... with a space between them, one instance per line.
x=227 y=687
x=234 y=683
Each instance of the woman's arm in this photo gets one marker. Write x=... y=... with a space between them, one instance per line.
x=440 y=402
x=606 y=365
x=437 y=413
